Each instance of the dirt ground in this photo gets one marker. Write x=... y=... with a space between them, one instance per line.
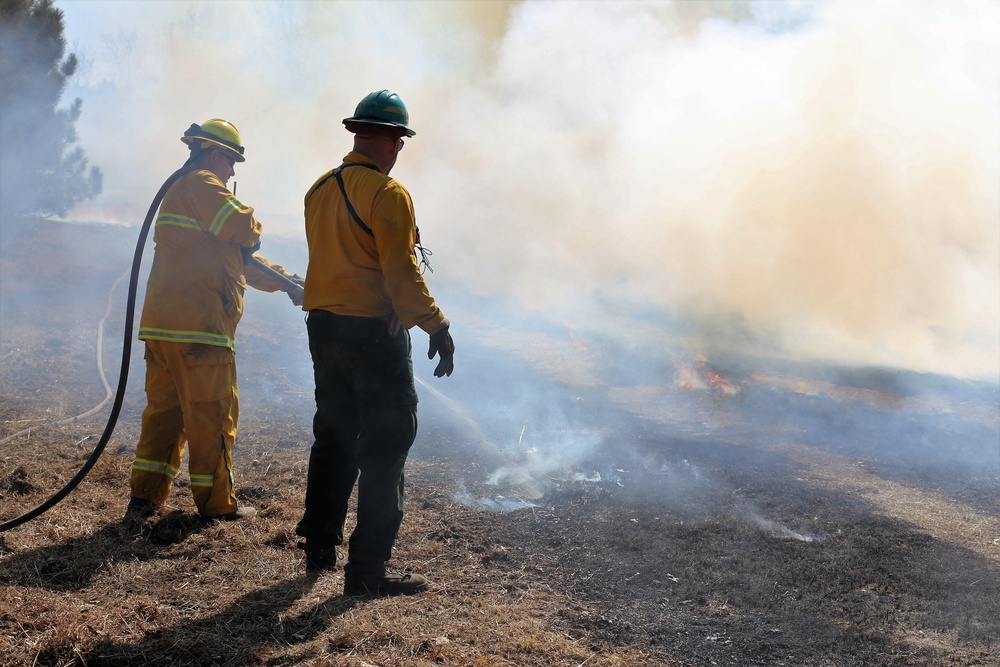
x=723 y=516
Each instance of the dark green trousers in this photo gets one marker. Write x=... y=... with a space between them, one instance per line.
x=365 y=423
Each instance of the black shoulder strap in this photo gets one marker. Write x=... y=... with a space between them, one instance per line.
x=340 y=181
x=350 y=208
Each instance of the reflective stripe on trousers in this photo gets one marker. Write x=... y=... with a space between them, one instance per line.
x=193 y=403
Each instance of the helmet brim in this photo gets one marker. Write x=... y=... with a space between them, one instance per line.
x=229 y=151
x=386 y=128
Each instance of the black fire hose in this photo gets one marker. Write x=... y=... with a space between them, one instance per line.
x=126 y=354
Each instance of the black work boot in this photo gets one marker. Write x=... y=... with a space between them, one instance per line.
x=384 y=584
x=138 y=510
x=321 y=559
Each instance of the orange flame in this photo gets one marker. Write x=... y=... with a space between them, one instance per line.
x=699 y=376
x=579 y=343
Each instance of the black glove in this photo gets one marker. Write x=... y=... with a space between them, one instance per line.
x=444 y=347
x=248 y=252
x=296 y=294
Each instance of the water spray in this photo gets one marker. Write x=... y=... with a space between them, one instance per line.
x=519 y=476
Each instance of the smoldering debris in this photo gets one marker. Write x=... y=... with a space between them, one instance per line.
x=498 y=503
x=777 y=529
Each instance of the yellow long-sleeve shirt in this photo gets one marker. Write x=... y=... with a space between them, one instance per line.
x=195 y=289
x=355 y=273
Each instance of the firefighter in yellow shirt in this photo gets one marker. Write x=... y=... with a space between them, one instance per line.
x=194 y=300
x=363 y=291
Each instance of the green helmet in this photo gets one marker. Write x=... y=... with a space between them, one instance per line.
x=382 y=112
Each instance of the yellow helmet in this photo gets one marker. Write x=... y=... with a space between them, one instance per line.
x=219 y=132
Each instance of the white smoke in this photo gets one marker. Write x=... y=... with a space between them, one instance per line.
x=826 y=175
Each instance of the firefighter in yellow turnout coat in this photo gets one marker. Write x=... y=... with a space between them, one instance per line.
x=194 y=301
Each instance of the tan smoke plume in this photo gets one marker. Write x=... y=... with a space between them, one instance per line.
x=825 y=174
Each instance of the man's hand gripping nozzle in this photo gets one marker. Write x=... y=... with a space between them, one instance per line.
x=293 y=286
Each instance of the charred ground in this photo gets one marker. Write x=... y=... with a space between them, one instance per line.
x=789 y=517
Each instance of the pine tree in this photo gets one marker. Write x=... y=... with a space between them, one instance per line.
x=42 y=172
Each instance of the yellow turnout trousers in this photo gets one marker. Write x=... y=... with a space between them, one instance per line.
x=191 y=398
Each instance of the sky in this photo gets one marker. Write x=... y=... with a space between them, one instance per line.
x=820 y=179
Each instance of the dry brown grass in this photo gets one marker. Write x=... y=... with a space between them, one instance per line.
x=80 y=589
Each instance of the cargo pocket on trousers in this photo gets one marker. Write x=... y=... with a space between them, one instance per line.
x=211 y=371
